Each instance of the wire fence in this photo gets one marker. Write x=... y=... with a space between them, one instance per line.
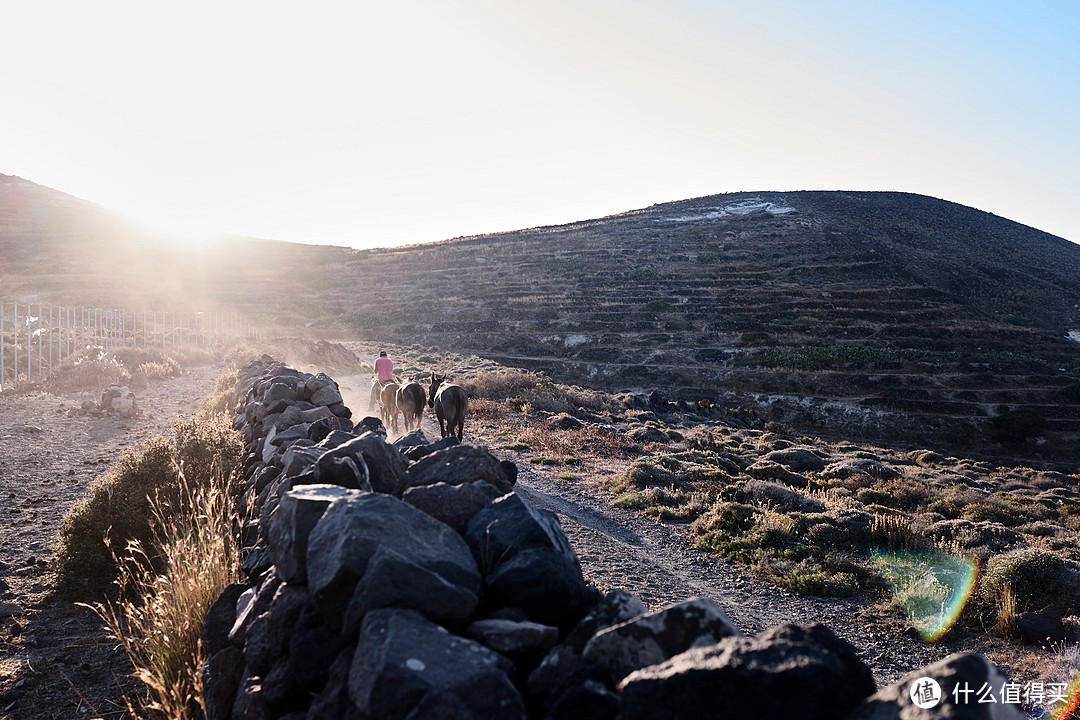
x=33 y=342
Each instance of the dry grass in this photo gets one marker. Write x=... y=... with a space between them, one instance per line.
x=158 y=616
x=1005 y=613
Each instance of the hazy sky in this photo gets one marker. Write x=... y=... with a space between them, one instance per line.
x=380 y=123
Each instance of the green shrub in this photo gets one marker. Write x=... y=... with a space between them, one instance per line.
x=1036 y=578
x=116 y=512
x=645 y=473
x=644 y=274
x=92 y=369
x=118 y=509
x=564 y=265
x=223 y=399
x=659 y=306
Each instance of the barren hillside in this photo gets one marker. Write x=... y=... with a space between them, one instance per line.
x=884 y=316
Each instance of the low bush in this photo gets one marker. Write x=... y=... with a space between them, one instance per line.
x=118 y=512
x=1035 y=577
x=92 y=369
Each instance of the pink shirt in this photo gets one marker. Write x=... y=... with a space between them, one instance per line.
x=384 y=369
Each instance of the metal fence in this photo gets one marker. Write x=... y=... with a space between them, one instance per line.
x=33 y=342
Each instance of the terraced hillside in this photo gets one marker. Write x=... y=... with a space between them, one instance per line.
x=875 y=314
x=884 y=316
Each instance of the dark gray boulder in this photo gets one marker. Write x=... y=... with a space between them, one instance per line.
x=945 y=698
x=797 y=458
x=458 y=465
x=302 y=673
x=392 y=580
x=347 y=472
x=454 y=505
x=298 y=511
x=653 y=638
x=323 y=391
x=416 y=452
x=220 y=618
x=788 y=671
x=1043 y=628
x=386 y=467
x=280 y=390
x=585 y=696
x=299 y=459
x=528 y=563
x=616 y=606
x=268 y=635
x=252 y=602
x=221 y=675
x=412 y=439
x=333 y=700
x=513 y=636
x=403 y=662
x=353 y=529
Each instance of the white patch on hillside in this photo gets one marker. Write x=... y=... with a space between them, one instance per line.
x=1074 y=335
x=735 y=210
x=576 y=339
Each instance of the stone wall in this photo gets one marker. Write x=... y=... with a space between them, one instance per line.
x=410 y=581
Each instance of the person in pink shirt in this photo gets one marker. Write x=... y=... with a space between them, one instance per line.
x=384 y=373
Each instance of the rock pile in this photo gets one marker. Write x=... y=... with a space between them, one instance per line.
x=410 y=581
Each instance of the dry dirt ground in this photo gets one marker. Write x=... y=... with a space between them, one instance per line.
x=56 y=662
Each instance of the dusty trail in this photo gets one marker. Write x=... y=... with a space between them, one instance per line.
x=621 y=549
x=55 y=660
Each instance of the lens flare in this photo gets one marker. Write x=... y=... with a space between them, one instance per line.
x=931 y=588
x=1067 y=709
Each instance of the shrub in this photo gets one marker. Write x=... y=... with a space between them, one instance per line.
x=118 y=511
x=159 y=370
x=223 y=399
x=564 y=264
x=659 y=306
x=1035 y=577
x=92 y=369
x=644 y=473
x=118 y=508
x=644 y=274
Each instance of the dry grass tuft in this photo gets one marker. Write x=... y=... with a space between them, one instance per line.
x=158 y=616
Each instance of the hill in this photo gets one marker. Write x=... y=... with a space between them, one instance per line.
x=889 y=317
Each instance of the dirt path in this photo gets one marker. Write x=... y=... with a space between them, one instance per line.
x=621 y=549
x=55 y=661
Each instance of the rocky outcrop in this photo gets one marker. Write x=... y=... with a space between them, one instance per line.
x=410 y=581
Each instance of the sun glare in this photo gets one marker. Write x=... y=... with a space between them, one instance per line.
x=186 y=233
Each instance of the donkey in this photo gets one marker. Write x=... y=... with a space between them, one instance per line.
x=410 y=401
x=389 y=406
x=450 y=403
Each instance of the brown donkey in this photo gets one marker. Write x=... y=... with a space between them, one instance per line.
x=410 y=401
x=450 y=403
x=389 y=406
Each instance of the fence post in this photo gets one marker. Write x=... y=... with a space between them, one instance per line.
x=2 y=368
x=50 y=339
x=15 y=381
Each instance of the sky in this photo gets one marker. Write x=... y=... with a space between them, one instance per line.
x=373 y=124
